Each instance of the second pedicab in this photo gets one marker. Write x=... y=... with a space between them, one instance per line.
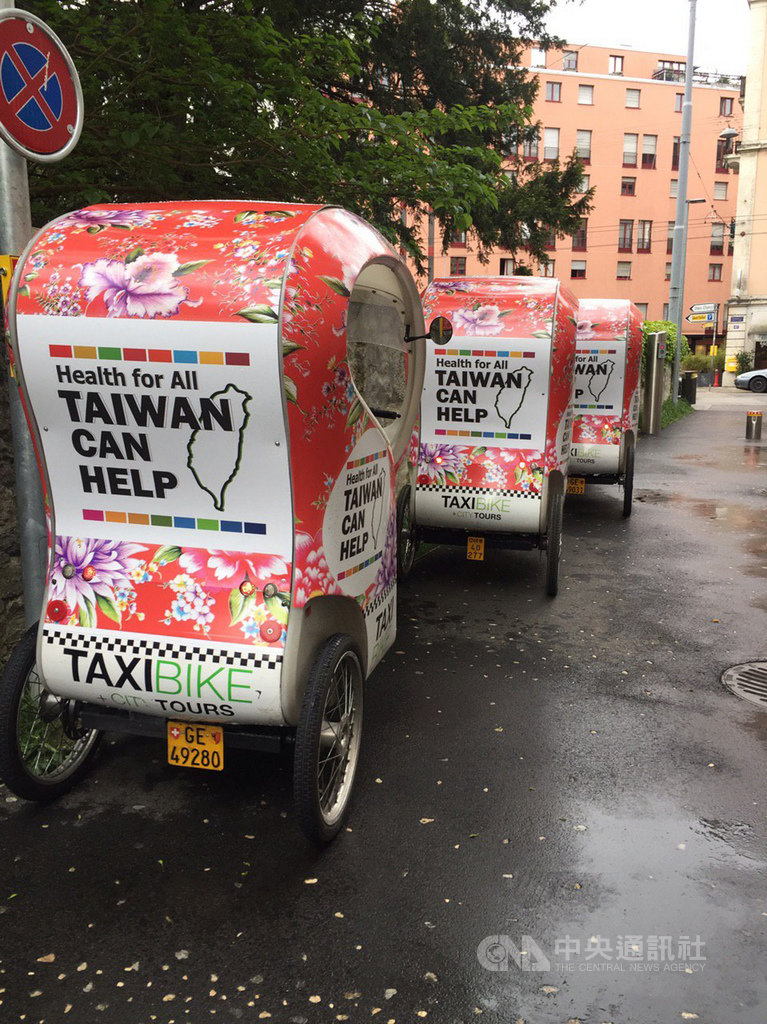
x=495 y=427
x=606 y=396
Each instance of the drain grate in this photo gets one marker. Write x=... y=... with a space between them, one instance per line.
x=748 y=681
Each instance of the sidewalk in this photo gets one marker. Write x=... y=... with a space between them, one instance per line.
x=729 y=398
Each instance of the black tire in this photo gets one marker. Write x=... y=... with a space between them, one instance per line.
x=628 y=479
x=407 y=539
x=758 y=384
x=32 y=721
x=554 y=543
x=322 y=799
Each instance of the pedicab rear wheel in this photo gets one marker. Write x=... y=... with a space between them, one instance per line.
x=328 y=739
x=554 y=543
x=628 y=479
x=407 y=540
x=43 y=750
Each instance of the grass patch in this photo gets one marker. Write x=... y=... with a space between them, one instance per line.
x=670 y=413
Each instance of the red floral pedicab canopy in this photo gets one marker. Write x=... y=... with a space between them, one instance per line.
x=495 y=411
x=606 y=393
x=185 y=370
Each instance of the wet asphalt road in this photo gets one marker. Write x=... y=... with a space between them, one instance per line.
x=569 y=770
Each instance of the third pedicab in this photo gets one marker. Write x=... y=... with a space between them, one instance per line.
x=606 y=396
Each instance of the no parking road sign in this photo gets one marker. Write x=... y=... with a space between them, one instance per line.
x=41 y=103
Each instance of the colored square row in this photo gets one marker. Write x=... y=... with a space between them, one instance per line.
x=190 y=357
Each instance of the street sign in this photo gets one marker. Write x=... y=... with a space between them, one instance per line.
x=41 y=103
x=701 y=318
x=704 y=307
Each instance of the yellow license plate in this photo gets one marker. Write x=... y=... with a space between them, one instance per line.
x=475 y=549
x=576 y=484
x=196 y=746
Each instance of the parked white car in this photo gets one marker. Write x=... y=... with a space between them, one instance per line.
x=754 y=380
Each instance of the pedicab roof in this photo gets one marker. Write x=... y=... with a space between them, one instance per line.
x=515 y=307
x=204 y=261
x=605 y=319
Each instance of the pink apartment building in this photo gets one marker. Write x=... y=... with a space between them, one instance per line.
x=621 y=110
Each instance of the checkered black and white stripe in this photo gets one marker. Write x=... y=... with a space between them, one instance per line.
x=381 y=599
x=488 y=492
x=159 y=649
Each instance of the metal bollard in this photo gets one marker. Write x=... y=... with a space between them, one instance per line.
x=753 y=426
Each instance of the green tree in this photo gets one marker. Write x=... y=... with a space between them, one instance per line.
x=374 y=106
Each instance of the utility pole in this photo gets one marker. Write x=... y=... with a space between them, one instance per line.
x=678 y=252
x=15 y=233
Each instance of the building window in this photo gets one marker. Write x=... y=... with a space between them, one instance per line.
x=630 y=147
x=550 y=143
x=665 y=311
x=554 y=92
x=551 y=242
x=547 y=270
x=649 y=148
x=715 y=271
x=678 y=101
x=670 y=238
x=625 y=235
x=628 y=186
x=458 y=238
x=537 y=57
x=616 y=65
x=717 y=238
x=578 y=268
x=671 y=70
x=675 y=153
x=583 y=146
x=721 y=153
x=530 y=148
x=674 y=188
x=644 y=235
x=579 y=238
x=720 y=190
x=725 y=106
x=624 y=270
x=633 y=97
x=642 y=307
x=570 y=60
x=507 y=267
x=457 y=266
x=668 y=273
x=586 y=94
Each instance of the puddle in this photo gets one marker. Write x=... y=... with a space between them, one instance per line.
x=754 y=457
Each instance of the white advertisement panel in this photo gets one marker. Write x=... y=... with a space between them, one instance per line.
x=484 y=391
x=146 y=421
x=598 y=379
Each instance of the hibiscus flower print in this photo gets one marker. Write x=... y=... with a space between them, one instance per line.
x=584 y=330
x=94 y=221
x=439 y=462
x=87 y=574
x=478 y=320
x=144 y=287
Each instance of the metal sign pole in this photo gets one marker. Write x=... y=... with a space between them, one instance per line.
x=678 y=251
x=15 y=232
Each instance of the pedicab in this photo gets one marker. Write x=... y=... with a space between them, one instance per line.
x=222 y=525
x=606 y=396
x=495 y=424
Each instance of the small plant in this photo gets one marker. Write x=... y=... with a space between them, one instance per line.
x=745 y=361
